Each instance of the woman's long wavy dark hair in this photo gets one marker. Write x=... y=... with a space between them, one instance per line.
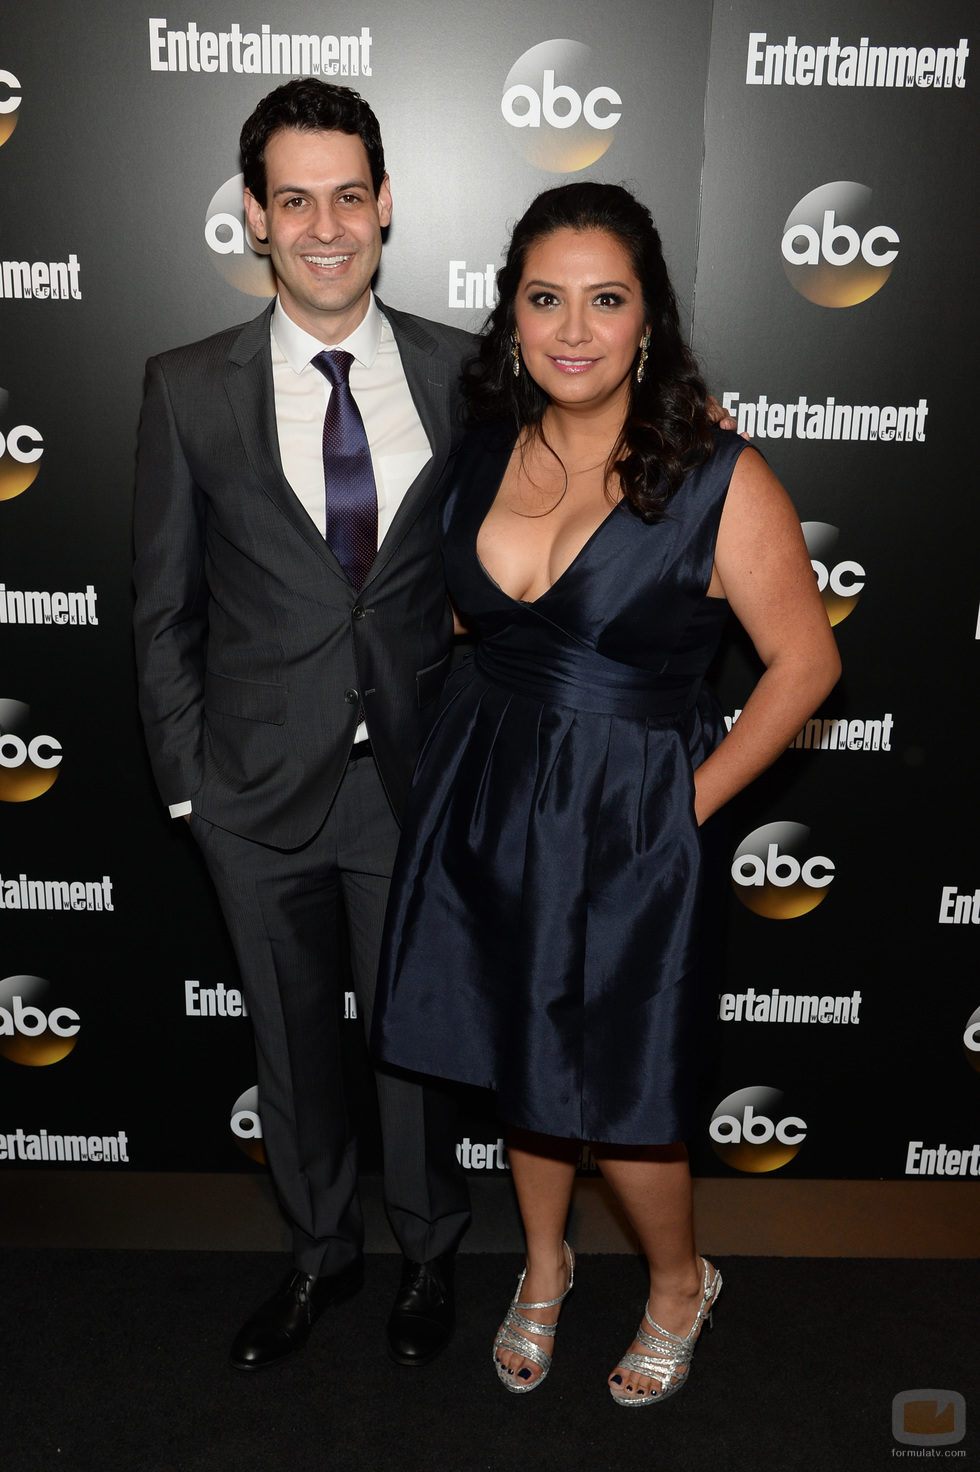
x=667 y=428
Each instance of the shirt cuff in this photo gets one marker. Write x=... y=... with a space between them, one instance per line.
x=180 y=809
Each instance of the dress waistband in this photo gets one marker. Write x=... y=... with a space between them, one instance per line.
x=585 y=680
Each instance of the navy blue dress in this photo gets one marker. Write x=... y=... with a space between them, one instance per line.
x=542 y=937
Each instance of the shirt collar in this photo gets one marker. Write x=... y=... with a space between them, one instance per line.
x=299 y=347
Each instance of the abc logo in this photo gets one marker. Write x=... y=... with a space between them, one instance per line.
x=557 y=118
x=775 y=875
x=840 y=581
x=971 y=1041
x=32 y=1031
x=751 y=1131
x=242 y=261
x=246 y=1125
x=834 y=251
x=28 y=763
x=21 y=448
x=9 y=103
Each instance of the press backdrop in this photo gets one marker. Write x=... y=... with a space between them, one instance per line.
x=809 y=167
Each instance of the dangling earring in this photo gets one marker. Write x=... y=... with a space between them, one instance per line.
x=515 y=351
x=644 y=350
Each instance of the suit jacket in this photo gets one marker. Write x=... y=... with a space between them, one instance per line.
x=254 y=653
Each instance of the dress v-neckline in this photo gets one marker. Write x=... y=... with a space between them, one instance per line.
x=532 y=602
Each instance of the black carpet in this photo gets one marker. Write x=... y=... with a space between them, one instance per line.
x=117 y=1361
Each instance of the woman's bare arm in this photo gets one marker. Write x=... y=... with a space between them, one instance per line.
x=763 y=569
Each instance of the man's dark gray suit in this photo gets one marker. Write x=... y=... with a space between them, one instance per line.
x=255 y=658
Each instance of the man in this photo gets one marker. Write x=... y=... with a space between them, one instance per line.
x=292 y=628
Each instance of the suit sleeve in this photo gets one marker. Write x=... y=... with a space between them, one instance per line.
x=171 y=596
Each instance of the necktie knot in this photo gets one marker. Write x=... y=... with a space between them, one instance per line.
x=334 y=366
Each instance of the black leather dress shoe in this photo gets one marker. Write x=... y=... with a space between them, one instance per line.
x=282 y=1325
x=424 y=1315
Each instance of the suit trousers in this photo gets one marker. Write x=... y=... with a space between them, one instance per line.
x=286 y=912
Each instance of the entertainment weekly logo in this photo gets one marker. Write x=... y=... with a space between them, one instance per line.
x=41 y=281
x=472 y=287
x=787 y=1007
x=765 y=418
x=828 y=63
x=18 y=1145
x=262 y=53
x=956 y=908
x=23 y=893
x=941 y=1160
x=229 y=1001
x=59 y=607
x=839 y=733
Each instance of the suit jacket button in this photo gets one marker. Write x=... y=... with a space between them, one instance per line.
x=357 y=611
x=351 y=696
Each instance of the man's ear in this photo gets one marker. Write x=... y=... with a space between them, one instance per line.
x=384 y=202
x=255 y=215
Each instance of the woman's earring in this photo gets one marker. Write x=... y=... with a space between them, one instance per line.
x=515 y=351
x=644 y=350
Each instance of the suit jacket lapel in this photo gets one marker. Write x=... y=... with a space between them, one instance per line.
x=431 y=381
x=248 y=384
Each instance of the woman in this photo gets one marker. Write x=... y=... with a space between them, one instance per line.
x=544 y=921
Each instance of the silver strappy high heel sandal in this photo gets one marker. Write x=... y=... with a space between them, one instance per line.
x=668 y=1352
x=513 y=1331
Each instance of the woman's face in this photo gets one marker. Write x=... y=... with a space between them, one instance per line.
x=579 y=318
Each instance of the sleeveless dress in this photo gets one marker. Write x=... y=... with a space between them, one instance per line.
x=542 y=934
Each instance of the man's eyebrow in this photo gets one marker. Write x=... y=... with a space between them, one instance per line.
x=305 y=188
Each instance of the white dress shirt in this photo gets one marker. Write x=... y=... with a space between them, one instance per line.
x=398 y=443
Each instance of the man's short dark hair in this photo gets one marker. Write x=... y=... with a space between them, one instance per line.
x=315 y=107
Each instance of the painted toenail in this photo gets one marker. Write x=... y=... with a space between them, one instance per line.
x=617 y=1379
x=524 y=1374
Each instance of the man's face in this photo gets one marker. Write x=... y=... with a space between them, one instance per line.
x=323 y=224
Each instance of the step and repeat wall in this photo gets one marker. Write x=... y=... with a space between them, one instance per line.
x=809 y=167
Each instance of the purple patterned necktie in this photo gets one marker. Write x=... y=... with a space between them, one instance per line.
x=352 y=500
